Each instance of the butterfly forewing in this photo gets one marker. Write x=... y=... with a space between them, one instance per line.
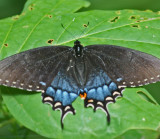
x=27 y=69
x=126 y=67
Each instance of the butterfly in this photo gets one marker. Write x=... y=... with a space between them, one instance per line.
x=96 y=73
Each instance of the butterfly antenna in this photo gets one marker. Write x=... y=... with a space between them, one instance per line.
x=68 y=31
x=85 y=25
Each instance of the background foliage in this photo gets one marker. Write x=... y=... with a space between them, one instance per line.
x=13 y=7
x=135 y=115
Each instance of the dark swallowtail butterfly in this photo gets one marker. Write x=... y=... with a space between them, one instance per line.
x=96 y=73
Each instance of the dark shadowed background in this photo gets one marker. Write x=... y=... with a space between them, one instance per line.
x=13 y=7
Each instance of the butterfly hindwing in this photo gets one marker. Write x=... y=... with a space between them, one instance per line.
x=64 y=87
x=99 y=88
x=59 y=100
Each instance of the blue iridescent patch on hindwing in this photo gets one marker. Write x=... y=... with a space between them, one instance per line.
x=100 y=96
x=59 y=100
x=61 y=96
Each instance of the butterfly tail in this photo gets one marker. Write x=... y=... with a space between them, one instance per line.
x=99 y=104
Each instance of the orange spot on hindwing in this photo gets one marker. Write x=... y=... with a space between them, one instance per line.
x=83 y=95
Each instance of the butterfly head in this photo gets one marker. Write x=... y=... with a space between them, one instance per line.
x=78 y=48
x=77 y=42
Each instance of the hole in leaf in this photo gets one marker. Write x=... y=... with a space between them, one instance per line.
x=15 y=17
x=6 y=44
x=133 y=17
x=138 y=21
x=50 y=41
x=31 y=7
x=85 y=25
x=135 y=26
x=118 y=12
x=114 y=19
x=144 y=96
x=50 y=16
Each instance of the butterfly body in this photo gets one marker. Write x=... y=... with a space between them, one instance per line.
x=78 y=48
x=96 y=73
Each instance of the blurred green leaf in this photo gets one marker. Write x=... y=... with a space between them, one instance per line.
x=133 y=29
x=10 y=7
x=10 y=128
x=123 y=4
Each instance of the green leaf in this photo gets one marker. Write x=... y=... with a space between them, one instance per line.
x=129 y=112
x=139 y=134
x=10 y=128
x=18 y=33
x=133 y=29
